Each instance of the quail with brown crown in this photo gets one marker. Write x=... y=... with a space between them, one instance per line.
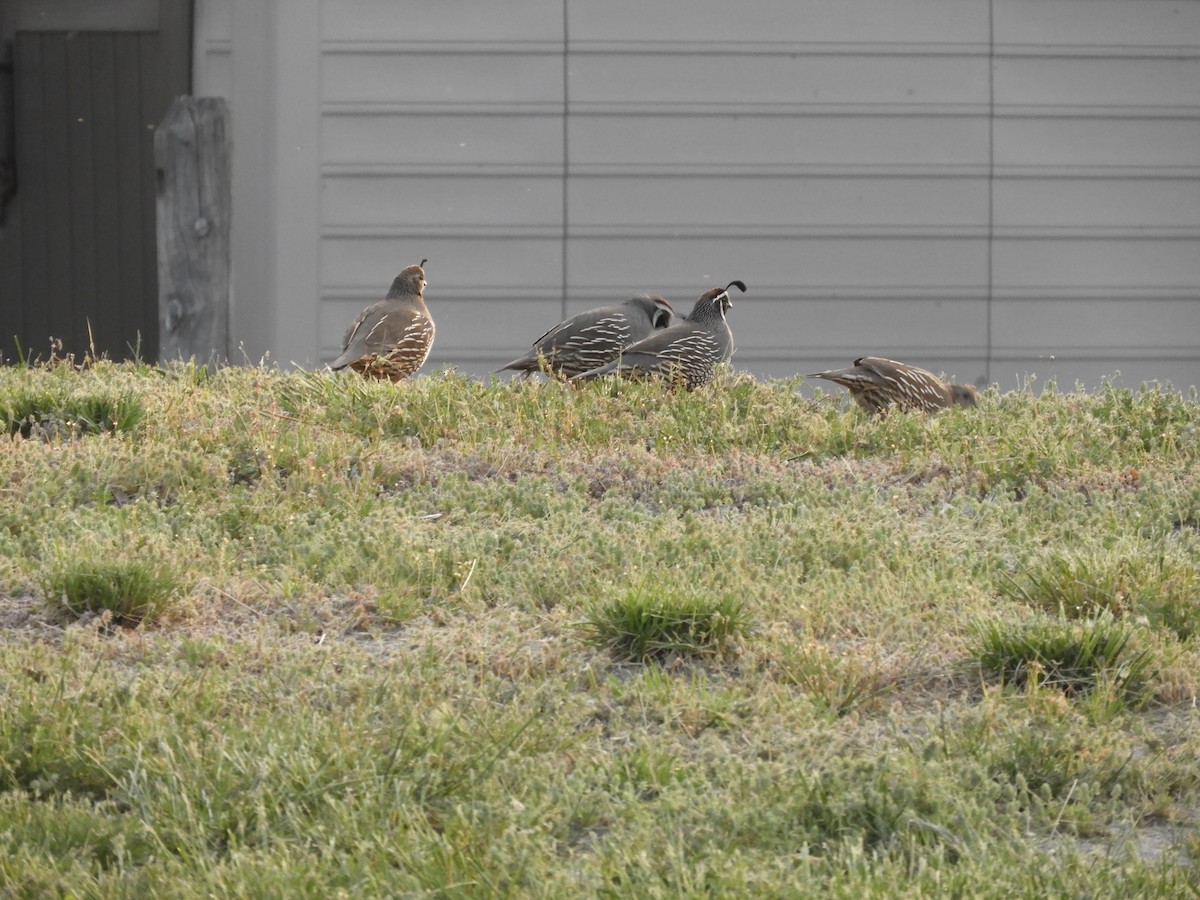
x=392 y=338
x=686 y=353
x=876 y=383
x=593 y=337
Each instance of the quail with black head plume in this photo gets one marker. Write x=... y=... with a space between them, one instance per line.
x=392 y=338
x=876 y=383
x=594 y=337
x=686 y=353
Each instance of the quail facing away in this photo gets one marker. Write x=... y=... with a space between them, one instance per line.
x=876 y=383
x=392 y=338
x=687 y=352
x=594 y=337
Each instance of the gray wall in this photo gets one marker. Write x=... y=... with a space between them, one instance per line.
x=992 y=189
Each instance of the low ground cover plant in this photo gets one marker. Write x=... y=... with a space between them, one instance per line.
x=274 y=633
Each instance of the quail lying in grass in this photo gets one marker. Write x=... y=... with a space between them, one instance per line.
x=594 y=337
x=876 y=383
x=392 y=338
x=686 y=353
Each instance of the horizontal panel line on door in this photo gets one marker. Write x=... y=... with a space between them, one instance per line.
x=969 y=351
x=452 y=292
x=796 y=356
x=1092 y=351
x=806 y=293
x=752 y=109
x=848 y=352
x=445 y=292
x=734 y=231
x=1128 y=293
x=765 y=48
x=382 y=168
x=661 y=108
x=620 y=231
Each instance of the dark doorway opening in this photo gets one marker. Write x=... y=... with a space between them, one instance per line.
x=77 y=243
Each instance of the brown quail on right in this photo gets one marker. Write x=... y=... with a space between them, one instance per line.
x=876 y=383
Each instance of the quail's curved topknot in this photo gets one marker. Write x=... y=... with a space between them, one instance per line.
x=685 y=354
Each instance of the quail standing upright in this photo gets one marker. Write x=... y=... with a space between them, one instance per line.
x=876 y=383
x=593 y=337
x=392 y=338
x=687 y=353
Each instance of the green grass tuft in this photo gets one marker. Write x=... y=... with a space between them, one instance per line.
x=130 y=591
x=1074 y=657
x=1162 y=588
x=652 y=623
x=840 y=683
x=54 y=413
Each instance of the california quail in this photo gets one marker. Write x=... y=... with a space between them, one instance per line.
x=594 y=337
x=686 y=353
x=875 y=383
x=392 y=338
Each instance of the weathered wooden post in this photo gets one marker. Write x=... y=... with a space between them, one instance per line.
x=192 y=158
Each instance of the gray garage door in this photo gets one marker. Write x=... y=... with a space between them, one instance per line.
x=988 y=188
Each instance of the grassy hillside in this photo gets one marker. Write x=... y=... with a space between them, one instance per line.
x=294 y=634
